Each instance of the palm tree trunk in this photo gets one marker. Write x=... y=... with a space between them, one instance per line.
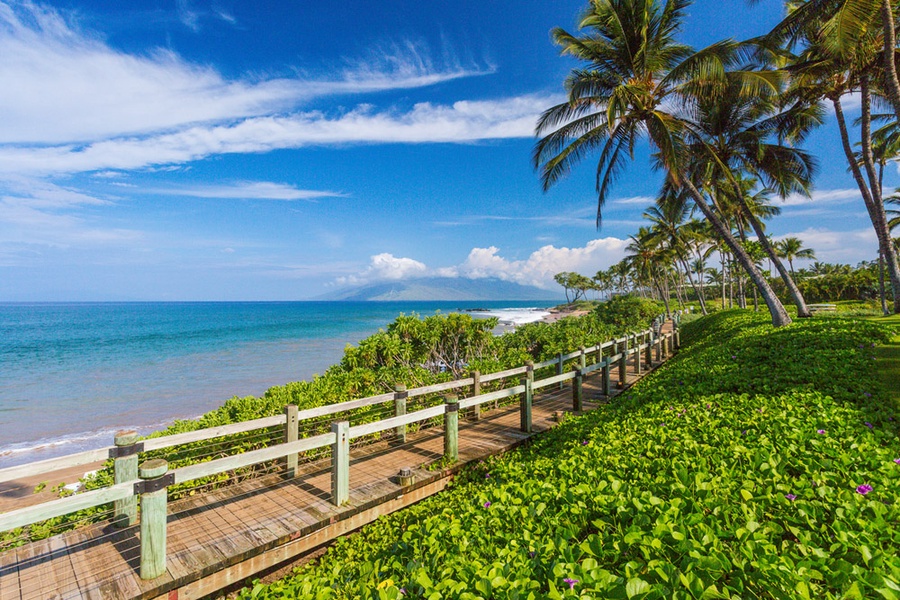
x=884 y=308
x=879 y=222
x=722 y=262
x=776 y=309
x=890 y=45
x=793 y=290
x=687 y=270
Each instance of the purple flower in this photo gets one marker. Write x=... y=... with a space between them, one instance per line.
x=890 y=418
x=744 y=432
x=403 y=591
x=867 y=394
x=897 y=460
x=487 y=475
x=790 y=497
x=869 y=425
x=863 y=489
x=820 y=431
x=662 y=424
x=708 y=406
x=487 y=504
x=571 y=582
x=531 y=554
x=585 y=443
x=733 y=357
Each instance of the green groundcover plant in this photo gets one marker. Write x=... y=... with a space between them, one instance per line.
x=757 y=463
x=412 y=350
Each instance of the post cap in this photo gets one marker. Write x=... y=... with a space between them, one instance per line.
x=125 y=437
x=155 y=467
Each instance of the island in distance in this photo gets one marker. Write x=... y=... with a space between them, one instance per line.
x=444 y=288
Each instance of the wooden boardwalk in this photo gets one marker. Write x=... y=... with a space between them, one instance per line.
x=225 y=536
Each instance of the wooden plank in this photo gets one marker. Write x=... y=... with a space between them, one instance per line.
x=441 y=387
x=498 y=395
x=61 y=565
x=332 y=409
x=414 y=417
x=9 y=576
x=555 y=379
x=54 y=464
x=241 y=571
x=212 y=433
x=246 y=459
x=504 y=374
x=41 y=512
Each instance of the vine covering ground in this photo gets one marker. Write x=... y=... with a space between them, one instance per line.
x=757 y=463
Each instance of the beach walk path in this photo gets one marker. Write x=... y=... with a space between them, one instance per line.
x=221 y=537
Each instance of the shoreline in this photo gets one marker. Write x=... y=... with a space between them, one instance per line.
x=295 y=360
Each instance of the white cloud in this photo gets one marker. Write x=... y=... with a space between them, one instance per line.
x=845 y=247
x=641 y=200
x=64 y=85
x=460 y=122
x=540 y=267
x=839 y=196
x=386 y=266
x=261 y=190
x=537 y=270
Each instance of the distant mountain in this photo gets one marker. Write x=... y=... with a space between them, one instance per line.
x=444 y=288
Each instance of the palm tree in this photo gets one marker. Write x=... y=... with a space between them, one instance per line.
x=827 y=68
x=670 y=227
x=639 y=81
x=735 y=137
x=790 y=248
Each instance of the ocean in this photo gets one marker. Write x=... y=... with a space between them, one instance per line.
x=72 y=374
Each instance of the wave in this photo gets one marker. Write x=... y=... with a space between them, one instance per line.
x=15 y=454
x=513 y=316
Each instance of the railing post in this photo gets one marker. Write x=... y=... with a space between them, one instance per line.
x=291 y=434
x=657 y=341
x=126 y=469
x=153 y=517
x=527 y=399
x=577 y=392
x=677 y=339
x=451 y=427
x=400 y=396
x=476 y=391
x=606 y=378
x=582 y=360
x=559 y=369
x=340 y=463
x=637 y=354
x=648 y=357
x=623 y=363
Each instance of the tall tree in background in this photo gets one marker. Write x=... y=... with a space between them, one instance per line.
x=639 y=81
x=791 y=248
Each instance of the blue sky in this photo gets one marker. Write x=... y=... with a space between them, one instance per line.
x=188 y=150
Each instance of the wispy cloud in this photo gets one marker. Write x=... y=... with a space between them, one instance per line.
x=461 y=122
x=260 y=190
x=70 y=87
x=838 y=196
x=845 y=247
x=638 y=200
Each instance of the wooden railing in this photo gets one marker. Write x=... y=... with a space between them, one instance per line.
x=149 y=481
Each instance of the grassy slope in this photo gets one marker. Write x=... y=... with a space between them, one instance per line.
x=709 y=479
x=889 y=360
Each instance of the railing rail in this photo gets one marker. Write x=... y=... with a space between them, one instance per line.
x=341 y=432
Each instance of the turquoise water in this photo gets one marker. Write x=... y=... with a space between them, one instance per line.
x=71 y=374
